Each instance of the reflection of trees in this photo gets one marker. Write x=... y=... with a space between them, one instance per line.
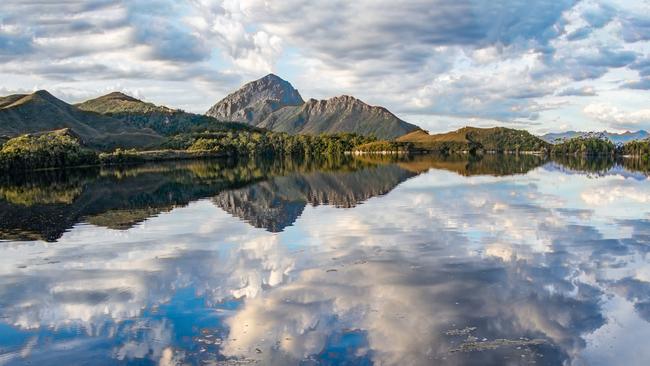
x=602 y=165
x=467 y=164
x=637 y=164
x=396 y=273
x=598 y=165
x=43 y=205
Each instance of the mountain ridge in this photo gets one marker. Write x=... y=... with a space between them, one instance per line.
x=41 y=111
x=161 y=119
x=274 y=104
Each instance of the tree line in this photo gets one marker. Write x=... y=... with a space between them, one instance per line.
x=63 y=148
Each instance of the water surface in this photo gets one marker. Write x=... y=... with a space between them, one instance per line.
x=494 y=260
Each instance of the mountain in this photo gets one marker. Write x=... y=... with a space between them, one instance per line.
x=334 y=115
x=163 y=120
x=498 y=139
x=254 y=101
x=274 y=104
x=41 y=111
x=617 y=138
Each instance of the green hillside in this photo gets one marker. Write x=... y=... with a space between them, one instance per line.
x=163 y=120
x=474 y=139
x=41 y=111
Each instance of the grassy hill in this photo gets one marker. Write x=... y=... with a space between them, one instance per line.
x=41 y=111
x=163 y=120
x=474 y=139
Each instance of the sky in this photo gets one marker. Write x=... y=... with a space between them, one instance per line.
x=538 y=65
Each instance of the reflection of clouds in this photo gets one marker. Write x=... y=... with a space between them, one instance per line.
x=522 y=256
x=156 y=335
x=605 y=195
x=555 y=266
x=94 y=281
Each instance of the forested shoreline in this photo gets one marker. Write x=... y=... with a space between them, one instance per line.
x=63 y=148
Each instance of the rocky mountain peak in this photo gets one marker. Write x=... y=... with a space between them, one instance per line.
x=255 y=100
x=273 y=103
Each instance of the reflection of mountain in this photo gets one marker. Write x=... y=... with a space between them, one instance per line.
x=437 y=272
x=43 y=205
x=278 y=202
x=46 y=204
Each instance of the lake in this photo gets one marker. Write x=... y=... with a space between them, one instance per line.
x=420 y=261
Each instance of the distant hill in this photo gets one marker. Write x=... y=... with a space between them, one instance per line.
x=274 y=104
x=472 y=139
x=161 y=119
x=41 y=111
x=617 y=138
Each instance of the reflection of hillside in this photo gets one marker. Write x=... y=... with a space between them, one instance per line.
x=469 y=165
x=44 y=205
x=30 y=195
x=603 y=165
x=115 y=198
x=278 y=202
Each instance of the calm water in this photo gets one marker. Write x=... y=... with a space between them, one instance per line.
x=500 y=260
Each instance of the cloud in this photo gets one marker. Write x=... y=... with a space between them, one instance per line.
x=580 y=33
x=616 y=117
x=643 y=84
x=158 y=26
x=585 y=91
x=464 y=59
x=599 y=15
x=635 y=28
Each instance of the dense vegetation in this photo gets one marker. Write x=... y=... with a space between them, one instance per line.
x=501 y=139
x=163 y=120
x=54 y=149
x=382 y=146
x=584 y=146
x=476 y=140
x=253 y=143
x=175 y=122
x=63 y=148
x=637 y=148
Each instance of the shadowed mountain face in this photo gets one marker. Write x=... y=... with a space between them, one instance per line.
x=41 y=111
x=274 y=104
